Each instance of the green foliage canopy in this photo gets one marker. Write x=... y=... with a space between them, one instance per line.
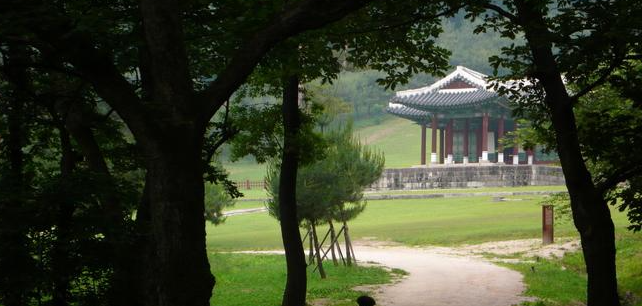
x=332 y=188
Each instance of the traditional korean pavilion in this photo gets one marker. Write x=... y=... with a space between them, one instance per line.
x=464 y=116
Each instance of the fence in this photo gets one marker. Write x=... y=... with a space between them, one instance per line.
x=248 y=185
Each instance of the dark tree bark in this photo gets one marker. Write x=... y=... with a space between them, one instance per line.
x=123 y=289
x=179 y=274
x=296 y=283
x=169 y=122
x=15 y=262
x=591 y=214
x=61 y=264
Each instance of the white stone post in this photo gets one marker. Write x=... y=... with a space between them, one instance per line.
x=484 y=157
x=515 y=159
x=500 y=158
x=433 y=158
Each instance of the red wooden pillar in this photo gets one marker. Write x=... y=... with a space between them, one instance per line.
x=515 y=150
x=449 y=141
x=433 y=149
x=478 y=134
x=500 y=135
x=466 y=123
x=423 y=143
x=484 y=138
x=441 y=145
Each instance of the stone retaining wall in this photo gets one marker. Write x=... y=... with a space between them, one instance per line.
x=466 y=176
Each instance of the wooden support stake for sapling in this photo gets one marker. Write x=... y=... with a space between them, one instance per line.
x=311 y=255
x=349 y=251
x=332 y=239
x=336 y=241
x=318 y=252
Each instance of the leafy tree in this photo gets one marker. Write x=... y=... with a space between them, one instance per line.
x=586 y=42
x=153 y=62
x=66 y=214
x=216 y=199
x=331 y=188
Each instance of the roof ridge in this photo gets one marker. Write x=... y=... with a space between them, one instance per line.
x=470 y=76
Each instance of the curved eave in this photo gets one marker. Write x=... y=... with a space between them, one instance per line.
x=415 y=115
x=494 y=100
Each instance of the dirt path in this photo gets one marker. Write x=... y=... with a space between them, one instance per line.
x=436 y=278
x=457 y=276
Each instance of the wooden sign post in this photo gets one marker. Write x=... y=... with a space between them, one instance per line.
x=547 y=224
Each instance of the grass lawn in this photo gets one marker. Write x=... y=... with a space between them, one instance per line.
x=246 y=169
x=260 y=194
x=245 y=205
x=443 y=221
x=399 y=139
x=562 y=281
x=258 y=280
x=257 y=193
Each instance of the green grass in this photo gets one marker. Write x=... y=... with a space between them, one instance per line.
x=559 y=282
x=399 y=139
x=258 y=193
x=246 y=169
x=250 y=279
x=245 y=205
x=442 y=221
x=262 y=194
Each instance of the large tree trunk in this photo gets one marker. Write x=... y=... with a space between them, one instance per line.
x=296 y=283
x=591 y=214
x=61 y=265
x=15 y=260
x=123 y=289
x=176 y=271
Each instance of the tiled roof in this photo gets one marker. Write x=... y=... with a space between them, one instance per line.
x=472 y=77
x=408 y=113
x=461 y=88
x=446 y=99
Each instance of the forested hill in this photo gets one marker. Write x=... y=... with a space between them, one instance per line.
x=369 y=100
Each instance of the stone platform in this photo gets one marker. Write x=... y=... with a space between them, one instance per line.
x=469 y=176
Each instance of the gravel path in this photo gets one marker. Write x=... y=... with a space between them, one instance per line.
x=437 y=279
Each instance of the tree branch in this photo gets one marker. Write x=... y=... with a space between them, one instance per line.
x=603 y=78
x=415 y=18
x=305 y=15
x=619 y=176
x=98 y=69
x=227 y=134
x=506 y=14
